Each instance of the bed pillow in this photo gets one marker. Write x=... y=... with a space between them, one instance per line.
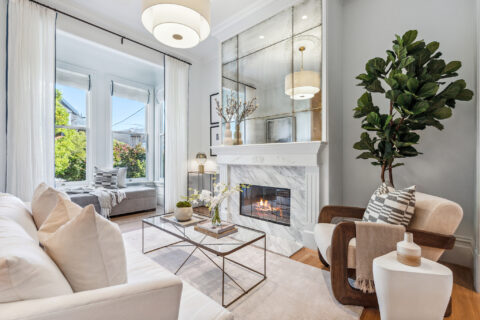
x=26 y=272
x=43 y=201
x=15 y=209
x=388 y=205
x=88 y=249
x=106 y=178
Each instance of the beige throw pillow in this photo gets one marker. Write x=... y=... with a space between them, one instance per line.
x=26 y=272
x=88 y=248
x=64 y=211
x=43 y=201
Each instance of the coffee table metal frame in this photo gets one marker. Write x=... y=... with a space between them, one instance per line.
x=200 y=246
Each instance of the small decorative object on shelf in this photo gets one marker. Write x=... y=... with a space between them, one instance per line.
x=226 y=115
x=214 y=200
x=201 y=158
x=183 y=211
x=241 y=110
x=408 y=252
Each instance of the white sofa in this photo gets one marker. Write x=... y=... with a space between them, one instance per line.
x=152 y=292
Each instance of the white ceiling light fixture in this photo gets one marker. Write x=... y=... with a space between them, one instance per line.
x=177 y=23
x=303 y=84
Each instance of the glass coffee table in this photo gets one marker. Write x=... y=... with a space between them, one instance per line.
x=222 y=247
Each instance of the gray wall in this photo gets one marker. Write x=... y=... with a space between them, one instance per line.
x=3 y=122
x=447 y=167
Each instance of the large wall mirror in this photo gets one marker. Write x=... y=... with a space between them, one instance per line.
x=278 y=62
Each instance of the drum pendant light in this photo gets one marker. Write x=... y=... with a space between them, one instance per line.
x=303 y=84
x=177 y=23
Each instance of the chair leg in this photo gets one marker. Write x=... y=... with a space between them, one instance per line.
x=448 y=312
x=322 y=260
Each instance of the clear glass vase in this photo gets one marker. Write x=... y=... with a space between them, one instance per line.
x=216 y=217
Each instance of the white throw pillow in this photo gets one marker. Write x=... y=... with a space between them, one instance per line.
x=89 y=250
x=43 y=201
x=122 y=178
x=14 y=208
x=26 y=272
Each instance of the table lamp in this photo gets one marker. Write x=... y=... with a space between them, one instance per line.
x=201 y=159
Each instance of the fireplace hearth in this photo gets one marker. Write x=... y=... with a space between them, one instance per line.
x=266 y=203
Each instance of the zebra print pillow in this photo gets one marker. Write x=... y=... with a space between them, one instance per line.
x=106 y=178
x=388 y=205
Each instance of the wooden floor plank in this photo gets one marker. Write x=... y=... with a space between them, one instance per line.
x=466 y=302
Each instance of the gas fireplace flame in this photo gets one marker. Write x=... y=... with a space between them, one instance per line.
x=264 y=206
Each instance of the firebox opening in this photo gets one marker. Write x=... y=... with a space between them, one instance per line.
x=266 y=203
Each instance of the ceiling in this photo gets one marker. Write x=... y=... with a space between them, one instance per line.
x=123 y=16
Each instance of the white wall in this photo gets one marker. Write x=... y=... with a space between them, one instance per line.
x=477 y=198
x=447 y=166
x=3 y=120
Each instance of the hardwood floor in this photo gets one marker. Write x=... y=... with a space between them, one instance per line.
x=466 y=302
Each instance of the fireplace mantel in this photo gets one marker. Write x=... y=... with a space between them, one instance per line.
x=304 y=154
x=295 y=166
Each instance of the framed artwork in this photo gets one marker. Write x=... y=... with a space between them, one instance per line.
x=215 y=139
x=280 y=129
x=214 y=117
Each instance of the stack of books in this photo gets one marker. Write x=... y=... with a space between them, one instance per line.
x=217 y=232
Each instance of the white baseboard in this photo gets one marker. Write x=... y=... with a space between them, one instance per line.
x=461 y=254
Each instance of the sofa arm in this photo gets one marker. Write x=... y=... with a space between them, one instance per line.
x=154 y=299
x=329 y=212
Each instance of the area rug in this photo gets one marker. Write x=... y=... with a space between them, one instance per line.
x=292 y=290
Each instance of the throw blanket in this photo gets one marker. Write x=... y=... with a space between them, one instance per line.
x=108 y=198
x=373 y=240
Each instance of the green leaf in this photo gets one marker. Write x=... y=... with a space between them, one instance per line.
x=409 y=37
x=465 y=95
x=416 y=46
x=420 y=107
x=365 y=100
x=366 y=155
x=442 y=113
x=452 y=67
x=429 y=89
x=404 y=100
x=375 y=86
x=392 y=83
x=373 y=119
x=433 y=46
x=398 y=165
x=387 y=121
x=452 y=90
x=412 y=85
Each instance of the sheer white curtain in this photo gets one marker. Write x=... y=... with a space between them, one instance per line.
x=176 y=112
x=30 y=97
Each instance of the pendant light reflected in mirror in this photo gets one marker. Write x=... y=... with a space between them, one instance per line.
x=303 y=84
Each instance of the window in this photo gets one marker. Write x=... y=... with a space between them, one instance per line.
x=71 y=105
x=129 y=129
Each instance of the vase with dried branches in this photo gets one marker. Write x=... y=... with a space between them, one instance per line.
x=238 y=109
x=226 y=115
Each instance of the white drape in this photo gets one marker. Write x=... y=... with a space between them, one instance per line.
x=31 y=97
x=176 y=111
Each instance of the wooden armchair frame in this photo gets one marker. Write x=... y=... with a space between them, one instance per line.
x=339 y=271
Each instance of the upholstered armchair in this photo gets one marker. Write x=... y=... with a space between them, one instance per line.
x=433 y=225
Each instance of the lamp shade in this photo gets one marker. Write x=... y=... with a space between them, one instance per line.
x=177 y=23
x=302 y=85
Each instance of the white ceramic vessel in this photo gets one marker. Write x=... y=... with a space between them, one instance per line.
x=183 y=214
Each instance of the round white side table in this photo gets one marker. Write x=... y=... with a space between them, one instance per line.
x=406 y=292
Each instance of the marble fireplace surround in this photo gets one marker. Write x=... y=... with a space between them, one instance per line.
x=295 y=166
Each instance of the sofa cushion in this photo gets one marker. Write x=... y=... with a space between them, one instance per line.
x=26 y=272
x=88 y=249
x=323 y=238
x=15 y=209
x=43 y=201
x=63 y=212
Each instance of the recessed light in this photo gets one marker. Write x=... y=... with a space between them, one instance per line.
x=304 y=17
x=261 y=37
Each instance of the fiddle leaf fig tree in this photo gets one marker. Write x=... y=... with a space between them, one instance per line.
x=416 y=82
